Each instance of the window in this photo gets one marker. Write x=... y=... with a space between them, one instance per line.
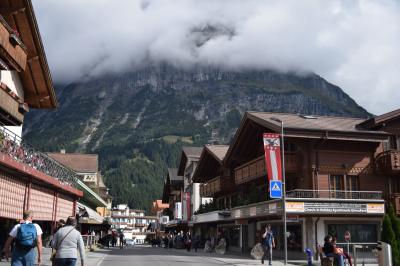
x=352 y=183
x=336 y=182
x=366 y=233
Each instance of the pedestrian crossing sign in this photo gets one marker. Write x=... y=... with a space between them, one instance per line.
x=275 y=189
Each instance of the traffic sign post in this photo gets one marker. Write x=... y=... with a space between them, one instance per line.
x=275 y=189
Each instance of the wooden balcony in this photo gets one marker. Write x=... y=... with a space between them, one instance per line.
x=388 y=162
x=210 y=188
x=11 y=51
x=10 y=107
x=256 y=168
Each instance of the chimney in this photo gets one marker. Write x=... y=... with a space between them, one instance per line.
x=62 y=151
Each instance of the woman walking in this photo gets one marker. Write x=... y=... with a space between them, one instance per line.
x=67 y=241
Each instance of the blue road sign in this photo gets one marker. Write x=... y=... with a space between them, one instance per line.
x=275 y=189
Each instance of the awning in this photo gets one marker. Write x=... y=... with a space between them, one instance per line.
x=175 y=223
x=88 y=215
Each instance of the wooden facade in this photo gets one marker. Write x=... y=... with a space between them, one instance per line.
x=339 y=172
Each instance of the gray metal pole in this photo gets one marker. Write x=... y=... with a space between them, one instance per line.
x=284 y=193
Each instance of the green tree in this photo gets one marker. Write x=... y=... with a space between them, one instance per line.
x=395 y=223
x=388 y=236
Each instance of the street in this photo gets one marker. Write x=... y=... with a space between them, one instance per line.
x=147 y=255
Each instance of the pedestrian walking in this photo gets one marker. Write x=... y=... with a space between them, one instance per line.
x=27 y=236
x=196 y=242
x=268 y=243
x=121 y=240
x=188 y=241
x=60 y=224
x=67 y=242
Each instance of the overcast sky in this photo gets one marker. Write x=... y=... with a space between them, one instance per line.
x=353 y=44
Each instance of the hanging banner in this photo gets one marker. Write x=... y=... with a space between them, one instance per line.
x=178 y=210
x=272 y=149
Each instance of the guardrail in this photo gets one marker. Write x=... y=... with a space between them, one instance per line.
x=334 y=194
x=361 y=253
x=89 y=240
x=14 y=146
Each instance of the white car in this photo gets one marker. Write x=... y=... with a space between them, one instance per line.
x=130 y=242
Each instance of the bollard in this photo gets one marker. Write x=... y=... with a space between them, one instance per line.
x=309 y=256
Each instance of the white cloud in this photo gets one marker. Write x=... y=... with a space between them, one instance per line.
x=353 y=44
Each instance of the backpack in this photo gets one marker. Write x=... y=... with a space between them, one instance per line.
x=26 y=236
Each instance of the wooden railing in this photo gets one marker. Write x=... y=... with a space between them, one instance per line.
x=388 y=162
x=11 y=51
x=256 y=168
x=210 y=188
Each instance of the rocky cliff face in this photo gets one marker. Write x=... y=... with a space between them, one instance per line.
x=132 y=118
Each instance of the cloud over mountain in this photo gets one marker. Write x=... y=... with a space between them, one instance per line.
x=351 y=43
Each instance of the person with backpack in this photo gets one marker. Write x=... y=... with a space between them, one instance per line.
x=27 y=236
x=66 y=242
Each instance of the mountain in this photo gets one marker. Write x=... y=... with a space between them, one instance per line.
x=138 y=121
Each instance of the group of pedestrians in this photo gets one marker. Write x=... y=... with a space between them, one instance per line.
x=180 y=240
x=26 y=236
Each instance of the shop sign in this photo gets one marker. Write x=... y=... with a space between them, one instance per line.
x=294 y=206
x=334 y=207
x=376 y=208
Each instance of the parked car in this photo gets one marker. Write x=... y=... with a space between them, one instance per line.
x=130 y=242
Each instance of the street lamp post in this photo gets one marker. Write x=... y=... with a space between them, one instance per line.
x=283 y=189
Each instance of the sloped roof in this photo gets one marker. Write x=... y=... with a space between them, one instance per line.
x=159 y=205
x=188 y=152
x=173 y=175
x=218 y=151
x=77 y=161
x=192 y=151
x=320 y=123
x=303 y=126
x=381 y=119
x=209 y=163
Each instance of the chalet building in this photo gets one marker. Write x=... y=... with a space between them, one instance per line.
x=133 y=223
x=29 y=179
x=93 y=208
x=216 y=182
x=339 y=173
x=160 y=209
x=191 y=199
x=172 y=195
x=86 y=168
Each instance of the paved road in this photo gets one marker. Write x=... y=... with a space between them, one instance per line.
x=149 y=256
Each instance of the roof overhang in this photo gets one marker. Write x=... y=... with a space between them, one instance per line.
x=380 y=120
x=36 y=79
x=273 y=126
x=206 y=157
x=88 y=215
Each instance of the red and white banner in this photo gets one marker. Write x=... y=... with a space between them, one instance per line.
x=272 y=149
x=188 y=201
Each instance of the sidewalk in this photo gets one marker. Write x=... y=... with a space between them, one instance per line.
x=237 y=260
x=92 y=258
